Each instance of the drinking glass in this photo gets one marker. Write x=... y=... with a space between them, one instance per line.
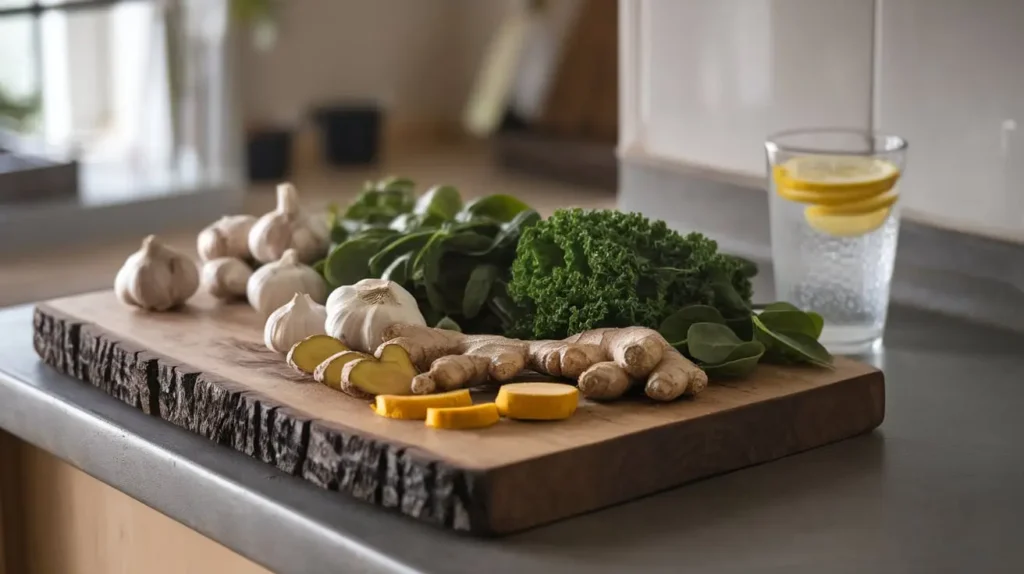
x=834 y=223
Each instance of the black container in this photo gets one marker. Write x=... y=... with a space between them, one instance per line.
x=350 y=133
x=269 y=154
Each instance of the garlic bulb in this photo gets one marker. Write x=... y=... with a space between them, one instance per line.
x=225 y=277
x=275 y=283
x=288 y=227
x=226 y=237
x=293 y=322
x=358 y=314
x=156 y=277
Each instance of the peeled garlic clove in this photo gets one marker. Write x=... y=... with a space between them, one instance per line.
x=274 y=284
x=292 y=322
x=226 y=237
x=225 y=278
x=156 y=277
x=288 y=227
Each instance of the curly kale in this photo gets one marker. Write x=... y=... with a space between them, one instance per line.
x=582 y=270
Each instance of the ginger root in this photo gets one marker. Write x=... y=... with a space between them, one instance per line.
x=605 y=362
x=329 y=371
x=389 y=373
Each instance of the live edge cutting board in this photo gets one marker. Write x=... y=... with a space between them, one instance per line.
x=205 y=369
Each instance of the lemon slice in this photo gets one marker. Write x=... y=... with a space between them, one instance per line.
x=838 y=197
x=869 y=205
x=865 y=175
x=845 y=225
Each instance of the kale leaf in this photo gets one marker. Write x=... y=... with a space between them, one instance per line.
x=585 y=269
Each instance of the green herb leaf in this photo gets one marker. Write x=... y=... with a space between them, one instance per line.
x=780 y=306
x=742 y=326
x=676 y=326
x=741 y=362
x=448 y=324
x=441 y=201
x=791 y=347
x=818 y=321
x=478 y=289
x=711 y=342
x=350 y=261
x=789 y=322
x=398 y=270
x=467 y=242
x=411 y=243
x=499 y=207
x=511 y=231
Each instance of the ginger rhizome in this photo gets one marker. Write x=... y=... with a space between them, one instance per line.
x=605 y=362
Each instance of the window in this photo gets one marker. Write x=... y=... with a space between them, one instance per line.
x=130 y=88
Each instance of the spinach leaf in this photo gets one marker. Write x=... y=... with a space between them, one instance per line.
x=818 y=321
x=350 y=261
x=741 y=362
x=468 y=242
x=478 y=288
x=448 y=324
x=742 y=326
x=780 y=306
x=441 y=201
x=411 y=243
x=510 y=232
x=791 y=347
x=711 y=342
x=499 y=207
x=788 y=322
x=676 y=326
x=398 y=270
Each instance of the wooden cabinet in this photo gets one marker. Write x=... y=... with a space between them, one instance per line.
x=55 y=519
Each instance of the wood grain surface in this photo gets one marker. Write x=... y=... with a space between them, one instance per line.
x=205 y=369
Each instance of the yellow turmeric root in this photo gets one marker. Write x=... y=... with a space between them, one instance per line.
x=537 y=401
x=415 y=407
x=472 y=417
x=605 y=362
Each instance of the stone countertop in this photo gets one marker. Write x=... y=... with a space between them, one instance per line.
x=935 y=489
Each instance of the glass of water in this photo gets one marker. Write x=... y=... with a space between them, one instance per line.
x=834 y=223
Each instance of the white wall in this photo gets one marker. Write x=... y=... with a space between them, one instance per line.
x=419 y=56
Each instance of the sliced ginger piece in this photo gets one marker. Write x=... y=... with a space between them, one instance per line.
x=471 y=417
x=537 y=401
x=391 y=373
x=329 y=371
x=306 y=355
x=415 y=407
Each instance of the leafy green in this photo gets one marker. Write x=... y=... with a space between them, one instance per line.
x=583 y=269
x=498 y=207
x=676 y=326
x=742 y=361
x=787 y=347
x=711 y=342
x=478 y=289
x=456 y=260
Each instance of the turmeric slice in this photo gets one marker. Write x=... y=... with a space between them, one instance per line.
x=329 y=371
x=472 y=417
x=306 y=355
x=537 y=401
x=415 y=407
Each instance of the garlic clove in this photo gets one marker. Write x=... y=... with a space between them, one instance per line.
x=288 y=227
x=226 y=237
x=225 y=278
x=273 y=284
x=299 y=318
x=156 y=277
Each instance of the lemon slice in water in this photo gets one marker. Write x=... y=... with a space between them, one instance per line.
x=843 y=224
x=854 y=176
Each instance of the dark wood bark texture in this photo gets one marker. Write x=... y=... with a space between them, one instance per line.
x=385 y=474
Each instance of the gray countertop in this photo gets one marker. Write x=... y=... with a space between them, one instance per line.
x=939 y=487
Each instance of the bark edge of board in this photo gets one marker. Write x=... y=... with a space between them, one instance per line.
x=395 y=477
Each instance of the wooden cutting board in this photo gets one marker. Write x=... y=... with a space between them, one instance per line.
x=205 y=369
